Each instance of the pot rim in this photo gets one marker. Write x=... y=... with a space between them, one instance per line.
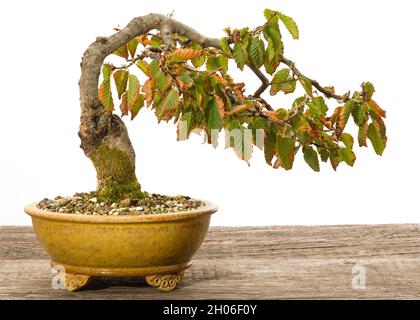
x=33 y=211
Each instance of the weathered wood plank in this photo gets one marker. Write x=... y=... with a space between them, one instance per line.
x=254 y=263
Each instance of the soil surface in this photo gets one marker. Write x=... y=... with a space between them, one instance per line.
x=88 y=204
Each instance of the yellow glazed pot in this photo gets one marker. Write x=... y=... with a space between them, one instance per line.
x=157 y=246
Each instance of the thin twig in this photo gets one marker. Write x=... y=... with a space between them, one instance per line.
x=264 y=81
x=326 y=92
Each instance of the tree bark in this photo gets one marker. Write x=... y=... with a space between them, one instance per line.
x=104 y=137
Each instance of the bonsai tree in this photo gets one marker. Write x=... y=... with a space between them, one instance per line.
x=160 y=63
x=184 y=76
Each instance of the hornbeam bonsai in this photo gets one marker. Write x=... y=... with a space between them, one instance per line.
x=162 y=64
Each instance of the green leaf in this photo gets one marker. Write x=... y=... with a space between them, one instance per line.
x=318 y=106
x=137 y=106
x=104 y=92
x=360 y=114
x=256 y=51
x=156 y=41
x=132 y=47
x=259 y=126
x=286 y=151
x=154 y=69
x=106 y=71
x=143 y=66
x=170 y=101
x=271 y=33
x=335 y=158
x=185 y=78
x=212 y=115
x=133 y=90
x=344 y=116
x=185 y=125
x=273 y=17
x=368 y=89
x=377 y=142
x=311 y=157
x=161 y=81
x=216 y=62
x=120 y=79
x=239 y=55
x=282 y=81
x=122 y=52
x=379 y=124
x=268 y=14
x=347 y=140
x=225 y=47
x=348 y=156
x=269 y=146
x=307 y=85
x=275 y=48
x=324 y=154
x=290 y=24
x=199 y=61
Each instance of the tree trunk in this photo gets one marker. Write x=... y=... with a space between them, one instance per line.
x=104 y=137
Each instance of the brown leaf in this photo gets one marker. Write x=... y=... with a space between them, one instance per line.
x=148 y=91
x=222 y=80
x=220 y=105
x=104 y=95
x=122 y=52
x=379 y=111
x=362 y=135
x=182 y=84
x=314 y=133
x=144 y=40
x=124 y=104
x=185 y=54
x=335 y=115
x=272 y=115
x=241 y=108
x=341 y=120
x=239 y=93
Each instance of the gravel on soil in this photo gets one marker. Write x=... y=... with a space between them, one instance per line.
x=87 y=204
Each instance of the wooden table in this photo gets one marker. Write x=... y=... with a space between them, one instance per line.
x=248 y=263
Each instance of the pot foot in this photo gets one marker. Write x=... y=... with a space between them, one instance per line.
x=75 y=282
x=165 y=282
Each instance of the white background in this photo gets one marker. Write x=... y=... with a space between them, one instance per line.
x=342 y=43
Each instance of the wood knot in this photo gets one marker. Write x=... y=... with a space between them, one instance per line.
x=102 y=40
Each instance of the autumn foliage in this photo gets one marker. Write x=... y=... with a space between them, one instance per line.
x=190 y=85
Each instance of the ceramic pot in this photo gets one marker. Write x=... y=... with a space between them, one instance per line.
x=158 y=247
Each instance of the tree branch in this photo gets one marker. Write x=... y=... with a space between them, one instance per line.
x=95 y=121
x=145 y=54
x=326 y=92
x=263 y=102
x=264 y=81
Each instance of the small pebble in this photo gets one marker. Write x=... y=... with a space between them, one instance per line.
x=88 y=204
x=93 y=200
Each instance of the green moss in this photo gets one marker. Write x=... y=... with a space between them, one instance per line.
x=116 y=174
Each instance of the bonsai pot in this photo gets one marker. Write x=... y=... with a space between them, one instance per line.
x=158 y=247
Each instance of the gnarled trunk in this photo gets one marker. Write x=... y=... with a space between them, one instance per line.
x=104 y=137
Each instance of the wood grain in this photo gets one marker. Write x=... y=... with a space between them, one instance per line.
x=291 y=262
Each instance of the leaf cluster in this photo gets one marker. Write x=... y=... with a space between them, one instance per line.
x=190 y=85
